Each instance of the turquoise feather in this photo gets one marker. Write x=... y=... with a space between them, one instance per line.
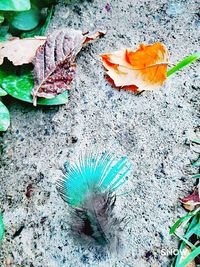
x=89 y=188
x=93 y=173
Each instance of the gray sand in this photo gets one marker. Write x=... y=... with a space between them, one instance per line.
x=152 y=129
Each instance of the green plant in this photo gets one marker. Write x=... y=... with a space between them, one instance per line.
x=191 y=224
x=190 y=241
x=19 y=16
x=18 y=83
x=4 y=113
x=22 y=18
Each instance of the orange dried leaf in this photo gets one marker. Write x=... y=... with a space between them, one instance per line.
x=20 y=51
x=144 y=69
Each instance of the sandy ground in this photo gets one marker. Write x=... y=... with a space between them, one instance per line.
x=152 y=129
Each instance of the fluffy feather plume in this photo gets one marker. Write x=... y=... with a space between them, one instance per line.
x=89 y=188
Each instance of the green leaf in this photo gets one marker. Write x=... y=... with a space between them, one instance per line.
x=41 y=29
x=183 y=63
x=21 y=86
x=4 y=30
x=44 y=3
x=191 y=257
x=1 y=18
x=15 y=5
x=4 y=35
x=2 y=75
x=4 y=117
x=2 y=227
x=5 y=38
x=25 y=20
x=2 y=92
x=58 y=100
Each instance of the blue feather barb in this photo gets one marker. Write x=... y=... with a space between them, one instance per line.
x=89 y=188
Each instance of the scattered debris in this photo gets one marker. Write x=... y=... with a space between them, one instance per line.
x=29 y=191
x=18 y=232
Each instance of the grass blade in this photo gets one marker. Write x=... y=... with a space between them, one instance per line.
x=196 y=163
x=180 y=221
x=2 y=228
x=196 y=176
x=183 y=219
x=191 y=257
x=196 y=142
x=183 y=63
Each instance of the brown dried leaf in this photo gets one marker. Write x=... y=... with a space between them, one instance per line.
x=54 y=62
x=20 y=51
x=92 y=37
